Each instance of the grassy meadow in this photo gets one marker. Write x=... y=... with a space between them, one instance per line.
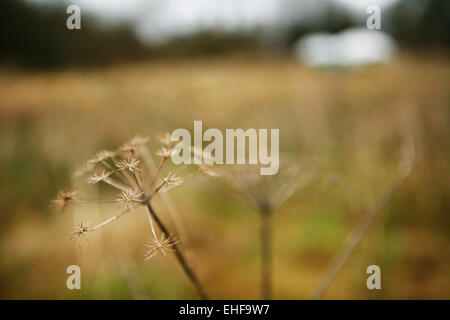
x=351 y=123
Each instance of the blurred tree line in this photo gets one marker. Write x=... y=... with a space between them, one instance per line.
x=36 y=37
x=429 y=28
x=33 y=36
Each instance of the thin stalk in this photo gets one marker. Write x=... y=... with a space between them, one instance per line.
x=162 y=184
x=121 y=174
x=114 y=217
x=157 y=172
x=189 y=272
x=115 y=184
x=360 y=230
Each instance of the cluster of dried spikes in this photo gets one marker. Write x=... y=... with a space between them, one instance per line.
x=125 y=171
x=130 y=170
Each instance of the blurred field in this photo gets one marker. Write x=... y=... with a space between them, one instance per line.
x=352 y=122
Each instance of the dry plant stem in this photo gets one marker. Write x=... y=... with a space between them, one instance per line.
x=158 y=188
x=190 y=273
x=157 y=172
x=266 y=254
x=115 y=184
x=113 y=218
x=355 y=237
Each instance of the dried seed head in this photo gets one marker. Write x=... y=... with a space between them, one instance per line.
x=162 y=244
x=78 y=232
x=63 y=199
x=132 y=147
x=83 y=170
x=102 y=156
x=139 y=141
x=164 y=152
x=99 y=176
x=128 y=198
x=128 y=164
x=167 y=141
x=172 y=180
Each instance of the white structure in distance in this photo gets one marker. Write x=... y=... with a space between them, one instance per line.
x=353 y=47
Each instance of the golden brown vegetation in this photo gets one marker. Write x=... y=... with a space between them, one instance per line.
x=351 y=122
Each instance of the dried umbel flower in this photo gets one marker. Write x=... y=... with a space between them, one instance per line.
x=164 y=152
x=133 y=147
x=102 y=156
x=83 y=170
x=99 y=176
x=125 y=174
x=129 y=197
x=126 y=171
x=63 y=199
x=171 y=180
x=265 y=194
x=138 y=141
x=161 y=244
x=167 y=141
x=128 y=164
x=79 y=231
x=261 y=191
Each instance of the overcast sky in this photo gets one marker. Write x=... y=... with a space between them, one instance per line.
x=158 y=19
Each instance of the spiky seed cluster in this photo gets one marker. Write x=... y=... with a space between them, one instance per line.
x=133 y=147
x=164 y=152
x=99 y=176
x=169 y=146
x=167 y=141
x=79 y=231
x=162 y=244
x=102 y=156
x=264 y=193
x=83 y=170
x=126 y=171
x=128 y=198
x=128 y=164
x=169 y=182
x=172 y=180
x=63 y=199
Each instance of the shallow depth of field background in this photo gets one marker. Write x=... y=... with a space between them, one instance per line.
x=54 y=115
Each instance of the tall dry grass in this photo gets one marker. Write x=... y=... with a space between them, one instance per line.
x=353 y=122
